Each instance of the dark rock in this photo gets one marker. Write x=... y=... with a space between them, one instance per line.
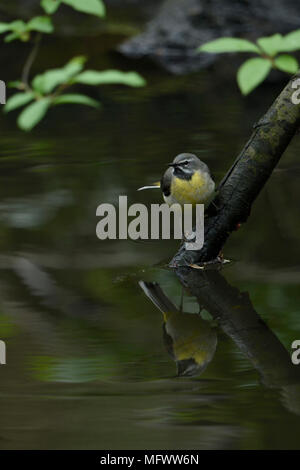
x=180 y=26
x=145 y=8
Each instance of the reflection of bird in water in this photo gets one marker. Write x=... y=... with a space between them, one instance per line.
x=190 y=340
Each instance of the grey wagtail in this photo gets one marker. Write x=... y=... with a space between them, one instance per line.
x=186 y=181
x=189 y=340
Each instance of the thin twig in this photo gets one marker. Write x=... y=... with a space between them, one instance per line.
x=31 y=58
x=60 y=89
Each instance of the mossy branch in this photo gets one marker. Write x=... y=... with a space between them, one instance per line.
x=247 y=176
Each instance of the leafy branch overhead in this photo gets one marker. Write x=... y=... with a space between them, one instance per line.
x=46 y=90
x=272 y=55
x=18 y=29
x=92 y=7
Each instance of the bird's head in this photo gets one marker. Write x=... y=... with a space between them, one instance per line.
x=186 y=164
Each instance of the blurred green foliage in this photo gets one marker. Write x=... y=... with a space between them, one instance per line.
x=254 y=71
x=47 y=89
x=93 y=7
x=18 y=29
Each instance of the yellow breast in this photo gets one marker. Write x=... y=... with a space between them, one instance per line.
x=194 y=191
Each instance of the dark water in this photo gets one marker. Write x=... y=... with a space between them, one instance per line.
x=87 y=362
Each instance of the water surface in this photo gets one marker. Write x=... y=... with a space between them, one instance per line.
x=87 y=364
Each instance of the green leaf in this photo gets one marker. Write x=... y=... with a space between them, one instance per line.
x=93 y=77
x=271 y=45
x=287 y=63
x=252 y=73
x=229 y=45
x=4 y=27
x=76 y=99
x=50 y=6
x=33 y=114
x=19 y=31
x=47 y=81
x=11 y=37
x=41 y=23
x=50 y=79
x=15 y=84
x=74 y=66
x=18 y=26
x=93 y=7
x=291 y=42
x=17 y=100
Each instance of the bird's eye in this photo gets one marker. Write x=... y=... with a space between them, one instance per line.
x=185 y=162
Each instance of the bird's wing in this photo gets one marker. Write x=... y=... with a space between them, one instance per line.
x=166 y=181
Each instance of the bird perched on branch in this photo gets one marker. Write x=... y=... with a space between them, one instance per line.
x=186 y=181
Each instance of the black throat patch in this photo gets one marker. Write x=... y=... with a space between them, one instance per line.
x=183 y=174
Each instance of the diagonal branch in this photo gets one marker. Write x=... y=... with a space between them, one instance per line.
x=247 y=176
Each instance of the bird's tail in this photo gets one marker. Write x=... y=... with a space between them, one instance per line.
x=154 y=292
x=153 y=186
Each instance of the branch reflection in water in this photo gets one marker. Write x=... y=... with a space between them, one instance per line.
x=191 y=341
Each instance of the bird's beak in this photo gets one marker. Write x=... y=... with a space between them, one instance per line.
x=173 y=165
